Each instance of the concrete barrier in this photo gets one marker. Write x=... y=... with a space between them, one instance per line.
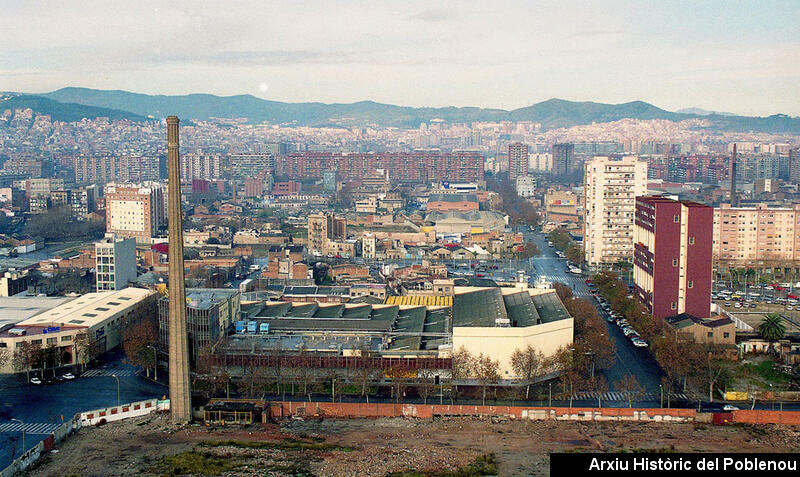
x=124 y=411
x=88 y=418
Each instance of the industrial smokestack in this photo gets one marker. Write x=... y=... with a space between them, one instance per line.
x=179 y=391
x=734 y=195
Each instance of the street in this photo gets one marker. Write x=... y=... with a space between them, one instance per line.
x=42 y=408
x=629 y=359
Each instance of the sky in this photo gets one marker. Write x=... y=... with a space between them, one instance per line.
x=733 y=56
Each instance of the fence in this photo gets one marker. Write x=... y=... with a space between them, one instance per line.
x=356 y=410
x=88 y=418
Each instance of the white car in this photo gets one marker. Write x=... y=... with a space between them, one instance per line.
x=36 y=381
x=68 y=376
x=729 y=407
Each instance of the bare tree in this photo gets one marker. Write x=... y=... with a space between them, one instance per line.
x=365 y=373
x=528 y=362
x=138 y=341
x=463 y=365
x=487 y=371
x=631 y=387
x=25 y=357
x=399 y=382
x=425 y=386
x=5 y=356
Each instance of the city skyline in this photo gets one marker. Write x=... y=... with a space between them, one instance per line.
x=740 y=58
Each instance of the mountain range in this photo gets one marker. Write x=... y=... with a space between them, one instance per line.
x=70 y=104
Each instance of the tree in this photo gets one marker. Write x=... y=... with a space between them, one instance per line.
x=772 y=328
x=365 y=373
x=710 y=368
x=139 y=341
x=570 y=365
x=528 y=363
x=5 y=356
x=425 y=386
x=210 y=378
x=25 y=357
x=530 y=250
x=399 y=381
x=575 y=254
x=631 y=387
x=463 y=364
x=487 y=370
x=85 y=350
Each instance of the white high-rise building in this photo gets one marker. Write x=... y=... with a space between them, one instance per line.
x=115 y=265
x=611 y=186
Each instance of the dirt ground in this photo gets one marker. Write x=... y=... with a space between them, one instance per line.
x=367 y=447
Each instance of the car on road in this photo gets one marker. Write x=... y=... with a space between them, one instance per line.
x=638 y=342
x=753 y=305
x=789 y=308
x=729 y=407
x=36 y=381
x=549 y=244
x=68 y=376
x=737 y=305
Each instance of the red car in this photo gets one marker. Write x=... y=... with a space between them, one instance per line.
x=791 y=296
x=588 y=281
x=480 y=275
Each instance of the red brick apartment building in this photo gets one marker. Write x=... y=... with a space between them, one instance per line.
x=672 y=256
x=416 y=167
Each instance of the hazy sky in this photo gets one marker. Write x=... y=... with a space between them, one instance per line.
x=738 y=56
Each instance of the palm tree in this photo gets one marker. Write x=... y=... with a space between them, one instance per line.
x=772 y=328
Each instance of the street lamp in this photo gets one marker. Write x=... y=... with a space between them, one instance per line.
x=661 y=389
x=550 y=395
x=115 y=377
x=22 y=426
x=155 y=362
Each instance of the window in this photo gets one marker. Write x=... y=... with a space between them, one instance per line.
x=691 y=284
x=674 y=262
x=52 y=340
x=676 y=218
x=691 y=240
x=673 y=306
x=726 y=335
x=710 y=334
x=66 y=338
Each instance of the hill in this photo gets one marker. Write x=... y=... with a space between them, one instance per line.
x=553 y=113
x=65 y=111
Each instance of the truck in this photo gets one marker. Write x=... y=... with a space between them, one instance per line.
x=263 y=328
x=240 y=326
x=252 y=327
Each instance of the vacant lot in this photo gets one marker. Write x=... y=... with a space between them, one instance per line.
x=151 y=446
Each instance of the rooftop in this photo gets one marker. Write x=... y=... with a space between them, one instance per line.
x=90 y=309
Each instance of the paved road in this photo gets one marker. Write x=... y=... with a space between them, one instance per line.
x=41 y=408
x=629 y=359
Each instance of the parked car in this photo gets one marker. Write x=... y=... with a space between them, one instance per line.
x=737 y=305
x=729 y=407
x=789 y=308
x=36 y=381
x=752 y=305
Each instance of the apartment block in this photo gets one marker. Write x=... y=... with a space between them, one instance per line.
x=672 y=256
x=115 y=262
x=134 y=210
x=611 y=185
x=563 y=159
x=406 y=167
x=757 y=235
x=517 y=161
x=203 y=166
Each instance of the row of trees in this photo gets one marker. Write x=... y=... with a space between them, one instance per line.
x=518 y=209
x=562 y=241
x=682 y=359
x=31 y=356
x=58 y=224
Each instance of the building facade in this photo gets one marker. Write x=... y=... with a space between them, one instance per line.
x=115 y=262
x=672 y=256
x=611 y=186
x=406 y=167
x=134 y=210
x=563 y=159
x=760 y=235
x=517 y=161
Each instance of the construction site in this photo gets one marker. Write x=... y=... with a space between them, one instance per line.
x=387 y=446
